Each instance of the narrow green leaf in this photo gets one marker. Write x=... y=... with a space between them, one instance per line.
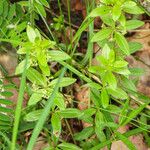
x=101 y=35
x=33 y=115
x=56 y=124
x=120 y=64
x=3 y=123
x=122 y=20
x=69 y=146
x=6 y=94
x=11 y=12
x=129 y=4
x=124 y=111
x=59 y=102
x=35 y=98
x=108 y=20
x=66 y=81
x=123 y=71
x=56 y=55
x=117 y=93
x=35 y=77
x=20 y=67
x=128 y=84
x=43 y=2
x=5 y=8
x=87 y=115
x=45 y=69
x=5 y=110
x=1 y=82
x=9 y=86
x=100 y=134
x=83 y=26
x=40 y=9
x=134 y=47
x=84 y=134
x=106 y=51
x=133 y=10
x=41 y=57
x=70 y=113
x=5 y=127
x=133 y=24
x=94 y=85
x=6 y=102
x=100 y=11
x=5 y=117
x=111 y=79
x=137 y=71
x=31 y=34
x=104 y=98
x=122 y=43
x=99 y=119
x=116 y=12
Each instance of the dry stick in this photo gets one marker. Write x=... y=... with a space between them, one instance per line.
x=70 y=130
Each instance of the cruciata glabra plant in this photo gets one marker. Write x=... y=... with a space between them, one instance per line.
x=45 y=83
x=113 y=68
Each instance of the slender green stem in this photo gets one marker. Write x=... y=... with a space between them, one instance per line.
x=75 y=71
x=69 y=18
x=46 y=25
x=89 y=53
x=60 y=10
x=19 y=106
x=31 y=10
x=45 y=113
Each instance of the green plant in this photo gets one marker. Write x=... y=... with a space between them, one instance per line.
x=5 y=111
x=48 y=69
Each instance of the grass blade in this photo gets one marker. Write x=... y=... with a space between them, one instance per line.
x=19 y=105
x=126 y=141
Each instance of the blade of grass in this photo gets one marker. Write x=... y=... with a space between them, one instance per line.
x=127 y=134
x=19 y=105
x=77 y=36
x=31 y=10
x=45 y=113
x=89 y=53
x=134 y=113
x=69 y=18
x=126 y=141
